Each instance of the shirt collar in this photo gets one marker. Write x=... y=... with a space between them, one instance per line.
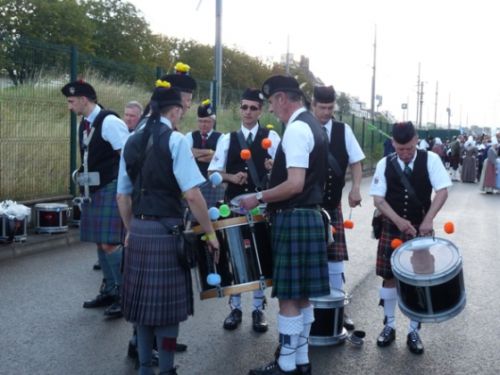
x=295 y=114
x=245 y=131
x=91 y=117
x=166 y=121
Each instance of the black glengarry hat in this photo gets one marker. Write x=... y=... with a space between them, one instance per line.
x=205 y=109
x=252 y=94
x=324 y=94
x=165 y=95
x=403 y=132
x=79 y=88
x=278 y=83
x=181 y=78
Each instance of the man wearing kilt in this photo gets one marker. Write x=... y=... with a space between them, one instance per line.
x=203 y=143
x=103 y=134
x=234 y=171
x=405 y=215
x=158 y=170
x=300 y=264
x=344 y=150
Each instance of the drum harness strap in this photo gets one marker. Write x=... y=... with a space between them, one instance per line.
x=251 y=165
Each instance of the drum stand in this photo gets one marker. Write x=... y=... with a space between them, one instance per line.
x=251 y=223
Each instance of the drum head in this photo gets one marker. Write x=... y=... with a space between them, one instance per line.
x=51 y=206
x=235 y=205
x=423 y=260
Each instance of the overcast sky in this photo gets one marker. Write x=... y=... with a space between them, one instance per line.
x=456 y=43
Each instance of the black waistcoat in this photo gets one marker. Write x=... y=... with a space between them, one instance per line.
x=235 y=163
x=398 y=197
x=101 y=158
x=334 y=183
x=156 y=192
x=314 y=184
x=211 y=144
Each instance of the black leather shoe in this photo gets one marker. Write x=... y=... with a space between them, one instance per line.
x=96 y=266
x=272 y=368
x=348 y=323
x=101 y=300
x=387 y=336
x=172 y=371
x=259 y=323
x=414 y=343
x=304 y=369
x=114 y=311
x=179 y=348
x=233 y=320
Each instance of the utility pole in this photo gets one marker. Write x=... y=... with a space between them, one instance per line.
x=436 y=105
x=418 y=96
x=216 y=94
x=421 y=103
x=287 y=59
x=448 y=110
x=374 y=75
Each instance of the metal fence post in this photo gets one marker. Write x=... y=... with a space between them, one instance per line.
x=73 y=132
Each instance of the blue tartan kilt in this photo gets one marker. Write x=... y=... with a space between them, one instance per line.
x=337 y=251
x=100 y=220
x=156 y=290
x=212 y=194
x=384 y=249
x=300 y=265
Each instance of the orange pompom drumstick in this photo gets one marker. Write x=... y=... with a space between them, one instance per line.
x=245 y=154
x=449 y=227
x=266 y=143
x=396 y=242
x=348 y=224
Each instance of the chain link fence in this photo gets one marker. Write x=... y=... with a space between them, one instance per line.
x=38 y=148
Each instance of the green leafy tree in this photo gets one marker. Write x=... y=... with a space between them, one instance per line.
x=343 y=104
x=51 y=21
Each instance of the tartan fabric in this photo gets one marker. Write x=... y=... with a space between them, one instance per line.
x=337 y=251
x=100 y=221
x=212 y=194
x=300 y=265
x=384 y=249
x=156 y=290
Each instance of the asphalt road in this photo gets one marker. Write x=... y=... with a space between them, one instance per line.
x=45 y=330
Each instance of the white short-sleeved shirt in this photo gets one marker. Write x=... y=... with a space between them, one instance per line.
x=219 y=160
x=353 y=148
x=298 y=142
x=189 y=138
x=114 y=130
x=185 y=169
x=438 y=176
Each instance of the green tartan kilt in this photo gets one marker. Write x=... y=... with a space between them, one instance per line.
x=300 y=264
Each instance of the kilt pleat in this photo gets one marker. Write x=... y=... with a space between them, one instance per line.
x=300 y=268
x=337 y=251
x=384 y=249
x=212 y=194
x=156 y=289
x=100 y=220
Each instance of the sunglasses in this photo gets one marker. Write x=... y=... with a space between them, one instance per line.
x=244 y=107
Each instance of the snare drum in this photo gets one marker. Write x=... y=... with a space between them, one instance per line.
x=51 y=217
x=429 y=279
x=75 y=215
x=12 y=229
x=328 y=326
x=245 y=261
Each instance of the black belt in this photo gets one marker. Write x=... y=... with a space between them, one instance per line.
x=149 y=217
x=290 y=209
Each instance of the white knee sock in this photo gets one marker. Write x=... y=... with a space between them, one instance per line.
x=289 y=328
x=390 y=297
x=302 y=356
x=413 y=326
x=235 y=301
x=258 y=299
x=335 y=271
